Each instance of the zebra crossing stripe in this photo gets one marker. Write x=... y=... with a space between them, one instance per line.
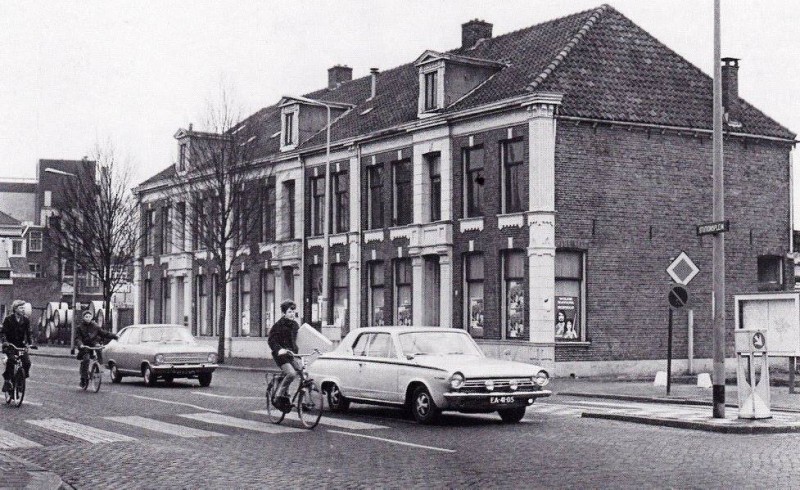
x=344 y=424
x=89 y=434
x=13 y=441
x=219 y=419
x=164 y=427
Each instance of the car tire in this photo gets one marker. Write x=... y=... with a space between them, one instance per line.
x=169 y=379
x=512 y=415
x=149 y=376
x=116 y=377
x=336 y=401
x=204 y=379
x=423 y=408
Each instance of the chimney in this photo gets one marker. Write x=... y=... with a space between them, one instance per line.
x=730 y=85
x=373 y=72
x=339 y=74
x=473 y=31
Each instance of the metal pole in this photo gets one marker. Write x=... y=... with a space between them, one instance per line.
x=669 y=351
x=718 y=263
x=690 y=341
x=74 y=299
x=323 y=314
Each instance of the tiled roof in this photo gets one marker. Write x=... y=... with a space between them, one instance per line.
x=19 y=265
x=8 y=220
x=165 y=174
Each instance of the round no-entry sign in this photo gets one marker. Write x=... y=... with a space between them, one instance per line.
x=678 y=296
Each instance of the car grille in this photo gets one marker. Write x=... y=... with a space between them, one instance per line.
x=185 y=358
x=500 y=385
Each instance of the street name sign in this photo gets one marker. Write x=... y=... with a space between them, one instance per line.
x=713 y=228
x=682 y=269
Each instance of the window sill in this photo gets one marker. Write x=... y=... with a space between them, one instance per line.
x=567 y=343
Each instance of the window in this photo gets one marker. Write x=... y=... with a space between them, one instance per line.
x=5 y=274
x=149 y=227
x=339 y=294
x=474 y=293
x=341 y=204
x=570 y=295
x=182 y=157
x=380 y=345
x=35 y=268
x=150 y=306
x=180 y=232
x=318 y=205
x=48 y=199
x=432 y=292
x=268 y=213
x=316 y=291
x=288 y=129
x=200 y=225
x=288 y=202
x=513 y=179
x=376 y=295
x=770 y=273
x=267 y=300
x=435 y=172
x=165 y=300
x=216 y=303
x=473 y=181
x=288 y=283
x=360 y=347
x=375 y=203
x=431 y=91
x=403 y=193
x=166 y=229
x=16 y=247
x=35 y=241
x=514 y=294
x=201 y=325
x=244 y=303
x=402 y=290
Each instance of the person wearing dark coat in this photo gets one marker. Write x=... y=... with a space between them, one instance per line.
x=89 y=334
x=282 y=341
x=16 y=330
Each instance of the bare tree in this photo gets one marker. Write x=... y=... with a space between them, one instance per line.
x=95 y=223
x=219 y=191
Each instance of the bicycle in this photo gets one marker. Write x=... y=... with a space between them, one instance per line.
x=16 y=394
x=307 y=398
x=95 y=369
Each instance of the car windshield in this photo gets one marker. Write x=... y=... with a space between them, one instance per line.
x=437 y=344
x=166 y=334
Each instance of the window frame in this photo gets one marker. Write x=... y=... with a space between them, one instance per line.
x=470 y=282
x=375 y=210
x=317 y=221
x=580 y=309
x=403 y=282
x=268 y=286
x=434 y=161
x=402 y=197
x=431 y=97
x=507 y=332
x=507 y=166
x=341 y=202
x=39 y=240
x=376 y=290
x=473 y=186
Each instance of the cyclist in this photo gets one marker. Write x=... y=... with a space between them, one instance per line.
x=89 y=334
x=16 y=330
x=282 y=341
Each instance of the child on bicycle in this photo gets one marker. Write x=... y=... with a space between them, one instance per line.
x=16 y=330
x=89 y=334
x=282 y=341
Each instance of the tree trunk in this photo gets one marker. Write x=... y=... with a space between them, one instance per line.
x=221 y=343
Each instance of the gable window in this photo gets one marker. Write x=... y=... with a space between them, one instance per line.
x=402 y=291
x=288 y=129
x=16 y=247
x=268 y=213
x=474 y=293
x=182 y=157
x=267 y=300
x=375 y=203
x=288 y=208
x=431 y=90
x=403 y=193
x=513 y=178
x=570 y=295
x=514 y=294
x=318 y=205
x=770 y=272
x=35 y=241
x=435 y=171
x=341 y=204
x=376 y=295
x=473 y=181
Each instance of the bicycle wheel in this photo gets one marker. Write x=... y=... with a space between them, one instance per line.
x=19 y=387
x=95 y=380
x=309 y=404
x=275 y=414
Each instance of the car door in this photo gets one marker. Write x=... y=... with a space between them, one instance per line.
x=127 y=359
x=380 y=368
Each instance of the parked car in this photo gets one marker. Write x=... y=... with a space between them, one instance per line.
x=159 y=351
x=427 y=370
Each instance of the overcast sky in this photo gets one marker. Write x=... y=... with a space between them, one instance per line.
x=76 y=73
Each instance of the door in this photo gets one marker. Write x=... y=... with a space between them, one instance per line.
x=381 y=368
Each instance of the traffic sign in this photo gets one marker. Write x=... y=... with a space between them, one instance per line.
x=682 y=270
x=713 y=228
x=678 y=296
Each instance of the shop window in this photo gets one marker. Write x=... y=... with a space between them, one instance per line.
x=375 y=203
x=166 y=295
x=570 y=295
x=474 y=293
x=216 y=303
x=402 y=291
x=770 y=272
x=244 y=303
x=376 y=294
x=403 y=193
x=514 y=294
x=432 y=285
x=339 y=294
x=201 y=324
x=341 y=204
x=435 y=172
x=35 y=241
x=268 y=314
x=317 y=205
x=513 y=179
x=150 y=306
x=473 y=181
x=316 y=292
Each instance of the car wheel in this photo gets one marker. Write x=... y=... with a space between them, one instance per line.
x=512 y=415
x=204 y=379
x=336 y=401
x=116 y=377
x=149 y=376
x=423 y=408
x=169 y=379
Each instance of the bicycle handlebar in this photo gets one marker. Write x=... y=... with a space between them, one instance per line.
x=19 y=349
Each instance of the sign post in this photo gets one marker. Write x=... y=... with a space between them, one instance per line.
x=678 y=297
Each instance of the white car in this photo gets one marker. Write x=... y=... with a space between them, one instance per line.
x=427 y=370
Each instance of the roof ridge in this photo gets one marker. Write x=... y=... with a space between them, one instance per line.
x=590 y=22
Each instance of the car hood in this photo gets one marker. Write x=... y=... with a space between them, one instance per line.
x=478 y=367
x=165 y=348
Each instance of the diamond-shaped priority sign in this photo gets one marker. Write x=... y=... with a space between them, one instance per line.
x=682 y=269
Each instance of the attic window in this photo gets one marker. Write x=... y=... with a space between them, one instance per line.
x=182 y=157
x=431 y=91
x=288 y=129
x=366 y=111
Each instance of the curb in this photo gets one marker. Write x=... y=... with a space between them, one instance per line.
x=672 y=401
x=38 y=477
x=685 y=424
x=265 y=369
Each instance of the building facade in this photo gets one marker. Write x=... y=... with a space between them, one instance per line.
x=530 y=188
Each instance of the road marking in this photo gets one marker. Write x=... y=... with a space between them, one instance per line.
x=54 y=368
x=80 y=431
x=393 y=441
x=229 y=396
x=168 y=401
x=165 y=427
x=344 y=424
x=13 y=441
x=219 y=419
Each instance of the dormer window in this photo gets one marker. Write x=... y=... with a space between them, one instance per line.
x=289 y=127
x=182 y=157
x=431 y=91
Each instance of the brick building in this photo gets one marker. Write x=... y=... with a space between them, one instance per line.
x=530 y=188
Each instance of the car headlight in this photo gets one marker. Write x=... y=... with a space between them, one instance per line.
x=456 y=381
x=159 y=359
x=212 y=358
x=541 y=378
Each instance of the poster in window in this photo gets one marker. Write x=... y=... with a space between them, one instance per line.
x=476 y=315
x=516 y=310
x=567 y=321
x=377 y=316
x=404 y=314
x=339 y=314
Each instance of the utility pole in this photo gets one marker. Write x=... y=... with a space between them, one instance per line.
x=718 y=259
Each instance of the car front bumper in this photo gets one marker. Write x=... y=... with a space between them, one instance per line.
x=183 y=369
x=492 y=401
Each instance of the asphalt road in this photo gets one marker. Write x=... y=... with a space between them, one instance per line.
x=183 y=436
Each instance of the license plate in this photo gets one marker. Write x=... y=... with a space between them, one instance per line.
x=501 y=399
